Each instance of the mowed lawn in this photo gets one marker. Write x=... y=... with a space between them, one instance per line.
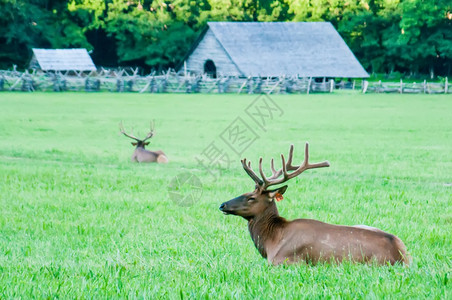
x=79 y=220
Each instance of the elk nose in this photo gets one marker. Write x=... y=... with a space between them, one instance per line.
x=222 y=206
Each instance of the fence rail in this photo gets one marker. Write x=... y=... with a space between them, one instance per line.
x=408 y=87
x=172 y=82
x=168 y=82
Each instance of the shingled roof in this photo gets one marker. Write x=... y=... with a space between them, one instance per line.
x=62 y=60
x=306 y=49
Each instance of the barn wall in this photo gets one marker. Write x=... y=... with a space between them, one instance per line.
x=34 y=63
x=210 y=48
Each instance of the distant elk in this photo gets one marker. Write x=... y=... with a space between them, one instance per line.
x=140 y=154
x=305 y=240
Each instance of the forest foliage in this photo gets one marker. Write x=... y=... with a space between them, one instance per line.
x=411 y=36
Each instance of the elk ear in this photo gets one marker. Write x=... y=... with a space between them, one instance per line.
x=277 y=193
x=147 y=143
x=133 y=143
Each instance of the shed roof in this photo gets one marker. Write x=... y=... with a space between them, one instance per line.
x=306 y=49
x=62 y=60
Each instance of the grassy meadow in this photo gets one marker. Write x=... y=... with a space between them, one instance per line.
x=79 y=220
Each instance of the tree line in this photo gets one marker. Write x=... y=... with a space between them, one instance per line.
x=409 y=36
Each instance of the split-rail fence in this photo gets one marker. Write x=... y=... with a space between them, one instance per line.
x=123 y=80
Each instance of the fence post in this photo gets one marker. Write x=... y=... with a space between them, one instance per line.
x=226 y=84
x=425 y=86
x=446 y=86
x=309 y=85
x=258 y=88
x=250 y=86
x=365 y=85
x=119 y=85
x=401 y=86
x=130 y=85
x=242 y=86
x=153 y=86
x=331 y=85
x=28 y=84
x=162 y=88
x=287 y=83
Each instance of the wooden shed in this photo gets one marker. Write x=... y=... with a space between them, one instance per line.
x=61 y=60
x=271 y=49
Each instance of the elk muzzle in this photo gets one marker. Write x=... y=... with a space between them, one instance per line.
x=234 y=206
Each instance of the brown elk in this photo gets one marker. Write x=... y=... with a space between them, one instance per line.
x=305 y=240
x=140 y=154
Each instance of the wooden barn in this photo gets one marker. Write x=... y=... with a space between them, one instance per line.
x=61 y=60
x=272 y=49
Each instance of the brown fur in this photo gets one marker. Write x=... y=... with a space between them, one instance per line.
x=142 y=155
x=305 y=240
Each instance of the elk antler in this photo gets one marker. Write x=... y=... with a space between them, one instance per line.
x=264 y=182
x=151 y=133
x=148 y=136
x=121 y=130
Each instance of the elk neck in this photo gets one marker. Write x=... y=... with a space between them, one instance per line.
x=140 y=148
x=265 y=228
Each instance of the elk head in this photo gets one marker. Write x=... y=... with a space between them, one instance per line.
x=255 y=203
x=139 y=143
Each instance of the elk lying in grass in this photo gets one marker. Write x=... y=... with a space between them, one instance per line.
x=140 y=154
x=306 y=240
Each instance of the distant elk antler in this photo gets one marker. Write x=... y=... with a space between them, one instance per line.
x=148 y=136
x=141 y=154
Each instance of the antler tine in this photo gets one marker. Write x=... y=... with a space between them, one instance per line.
x=306 y=165
x=284 y=166
x=251 y=173
x=151 y=133
x=275 y=174
x=262 y=173
x=122 y=130
x=121 y=127
x=315 y=165
x=289 y=161
x=276 y=179
x=306 y=154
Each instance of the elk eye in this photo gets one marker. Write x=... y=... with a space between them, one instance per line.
x=251 y=199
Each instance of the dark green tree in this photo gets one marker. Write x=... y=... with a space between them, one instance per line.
x=385 y=35
x=425 y=39
x=35 y=24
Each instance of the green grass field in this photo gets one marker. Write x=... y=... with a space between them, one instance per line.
x=79 y=220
